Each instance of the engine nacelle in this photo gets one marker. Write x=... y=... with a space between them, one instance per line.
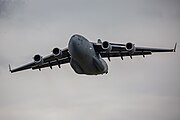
x=38 y=59
x=106 y=46
x=130 y=47
x=57 y=52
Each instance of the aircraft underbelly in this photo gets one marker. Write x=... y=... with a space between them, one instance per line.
x=91 y=66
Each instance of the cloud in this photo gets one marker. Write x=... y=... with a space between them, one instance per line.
x=134 y=89
x=8 y=7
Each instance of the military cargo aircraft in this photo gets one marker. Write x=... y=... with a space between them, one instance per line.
x=86 y=57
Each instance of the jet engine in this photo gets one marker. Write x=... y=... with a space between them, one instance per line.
x=38 y=59
x=106 y=46
x=57 y=52
x=130 y=47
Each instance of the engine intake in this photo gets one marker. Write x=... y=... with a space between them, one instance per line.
x=106 y=46
x=38 y=59
x=57 y=52
x=130 y=47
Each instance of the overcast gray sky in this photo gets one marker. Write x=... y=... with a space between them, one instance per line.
x=137 y=89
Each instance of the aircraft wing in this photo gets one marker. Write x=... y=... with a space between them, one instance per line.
x=57 y=58
x=107 y=50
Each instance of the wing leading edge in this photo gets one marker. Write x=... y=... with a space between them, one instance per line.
x=57 y=58
x=107 y=50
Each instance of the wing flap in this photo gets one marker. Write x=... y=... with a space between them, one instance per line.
x=153 y=49
x=52 y=63
x=124 y=53
x=24 y=67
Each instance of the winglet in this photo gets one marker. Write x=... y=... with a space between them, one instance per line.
x=10 y=68
x=174 y=50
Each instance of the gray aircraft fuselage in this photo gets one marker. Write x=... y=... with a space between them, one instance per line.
x=84 y=59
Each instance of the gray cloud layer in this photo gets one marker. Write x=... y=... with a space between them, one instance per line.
x=134 y=89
